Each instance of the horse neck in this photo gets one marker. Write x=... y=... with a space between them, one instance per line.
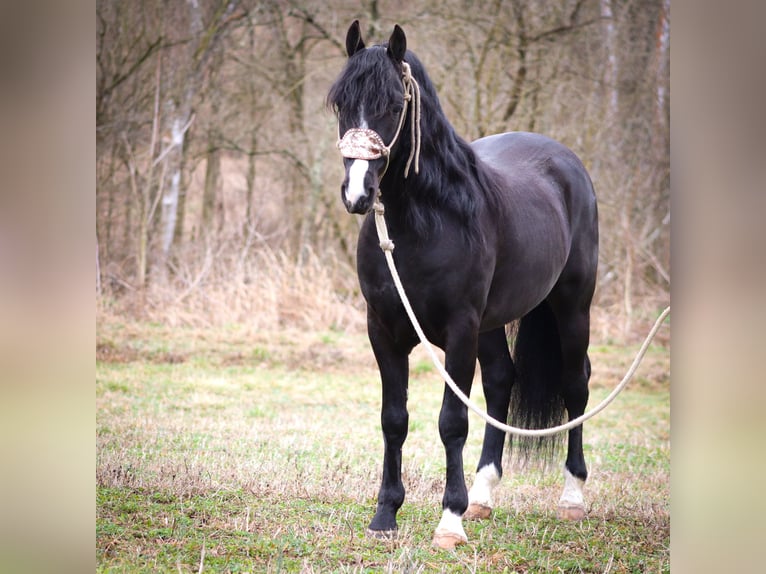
x=445 y=184
x=443 y=155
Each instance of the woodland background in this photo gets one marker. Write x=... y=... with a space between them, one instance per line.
x=217 y=197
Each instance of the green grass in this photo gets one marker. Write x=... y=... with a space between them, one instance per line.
x=233 y=451
x=243 y=532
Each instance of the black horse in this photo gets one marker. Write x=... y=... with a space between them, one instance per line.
x=504 y=228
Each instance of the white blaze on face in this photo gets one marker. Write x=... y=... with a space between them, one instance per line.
x=357 y=171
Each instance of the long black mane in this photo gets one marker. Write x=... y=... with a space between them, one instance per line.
x=451 y=179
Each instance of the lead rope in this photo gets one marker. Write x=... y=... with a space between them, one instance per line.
x=387 y=245
x=412 y=93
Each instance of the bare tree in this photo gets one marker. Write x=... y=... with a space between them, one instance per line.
x=188 y=67
x=127 y=71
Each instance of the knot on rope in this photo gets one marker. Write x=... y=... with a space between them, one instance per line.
x=380 y=223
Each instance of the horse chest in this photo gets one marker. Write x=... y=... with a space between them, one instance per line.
x=441 y=282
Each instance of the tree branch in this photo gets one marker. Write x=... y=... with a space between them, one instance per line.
x=120 y=78
x=564 y=29
x=303 y=14
x=175 y=142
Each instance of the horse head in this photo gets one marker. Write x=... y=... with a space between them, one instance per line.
x=370 y=99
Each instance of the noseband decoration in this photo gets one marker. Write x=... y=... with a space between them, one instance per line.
x=362 y=143
x=366 y=144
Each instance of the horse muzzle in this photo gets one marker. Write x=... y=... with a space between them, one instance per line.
x=359 y=187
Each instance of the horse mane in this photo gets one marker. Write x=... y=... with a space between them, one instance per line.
x=451 y=179
x=451 y=176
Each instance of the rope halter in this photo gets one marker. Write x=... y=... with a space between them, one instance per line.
x=367 y=144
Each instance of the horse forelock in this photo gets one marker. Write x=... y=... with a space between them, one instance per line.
x=369 y=81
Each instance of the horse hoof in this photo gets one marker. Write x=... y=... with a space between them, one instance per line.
x=386 y=535
x=448 y=540
x=571 y=513
x=477 y=511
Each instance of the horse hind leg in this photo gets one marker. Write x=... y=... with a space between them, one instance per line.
x=497 y=380
x=574 y=332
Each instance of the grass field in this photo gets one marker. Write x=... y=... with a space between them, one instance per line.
x=225 y=450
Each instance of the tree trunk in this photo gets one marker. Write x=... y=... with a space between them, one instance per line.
x=661 y=107
x=520 y=75
x=611 y=67
x=173 y=185
x=212 y=185
x=178 y=233
x=173 y=162
x=249 y=227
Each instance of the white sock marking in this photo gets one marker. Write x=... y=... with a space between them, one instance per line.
x=451 y=523
x=572 y=495
x=486 y=480
x=356 y=173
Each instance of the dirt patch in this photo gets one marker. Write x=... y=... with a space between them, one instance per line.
x=110 y=352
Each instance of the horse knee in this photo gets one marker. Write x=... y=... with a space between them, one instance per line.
x=395 y=424
x=453 y=425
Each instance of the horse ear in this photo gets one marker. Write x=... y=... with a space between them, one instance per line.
x=354 y=41
x=397 y=44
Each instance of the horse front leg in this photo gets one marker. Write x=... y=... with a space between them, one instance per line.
x=393 y=365
x=453 y=430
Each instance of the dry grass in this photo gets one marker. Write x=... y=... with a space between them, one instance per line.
x=262 y=289
x=267 y=290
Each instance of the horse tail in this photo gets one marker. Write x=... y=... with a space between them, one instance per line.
x=536 y=395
